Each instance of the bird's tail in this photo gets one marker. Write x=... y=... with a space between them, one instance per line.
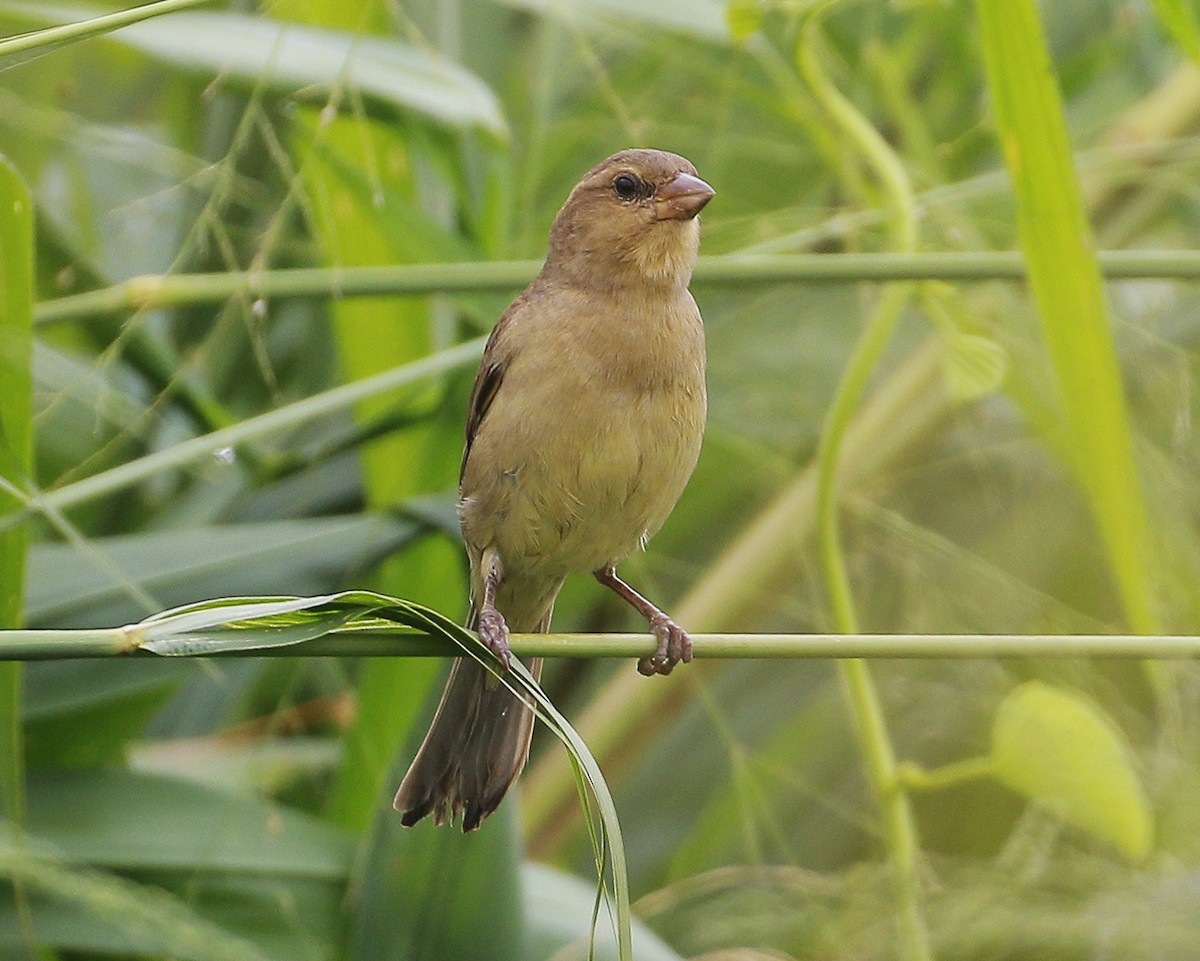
x=476 y=747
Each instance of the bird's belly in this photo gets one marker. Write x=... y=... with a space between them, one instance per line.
x=588 y=490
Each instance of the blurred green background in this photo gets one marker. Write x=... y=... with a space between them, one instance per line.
x=241 y=808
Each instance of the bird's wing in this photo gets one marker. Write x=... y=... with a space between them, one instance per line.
x=490 y=376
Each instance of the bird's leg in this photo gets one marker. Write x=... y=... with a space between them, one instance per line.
x=489 y=623
x=674 y=645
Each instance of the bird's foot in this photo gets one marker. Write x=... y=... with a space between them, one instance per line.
x=494 y=633
x=674 y=646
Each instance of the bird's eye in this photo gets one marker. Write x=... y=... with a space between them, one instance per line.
x=626 y=186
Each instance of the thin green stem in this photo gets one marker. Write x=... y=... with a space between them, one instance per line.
x=917 y=778
x=899 y=825
x=122 y=641
x=25 y=46
x=208 y=445
x=729 y=270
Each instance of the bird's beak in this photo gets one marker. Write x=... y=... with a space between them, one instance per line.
x=682 y=198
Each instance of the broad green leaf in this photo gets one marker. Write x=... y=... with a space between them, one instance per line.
x=1065 y=278
x=147 y=916
x=67 y=586
x=16 y=454
x=80 y=713
x=141 y=822
x=435 y=894
x=294 y=921
x=293 y=59
x=1060 y=750
x=699 y=18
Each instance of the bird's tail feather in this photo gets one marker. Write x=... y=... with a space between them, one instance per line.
x=476 y=747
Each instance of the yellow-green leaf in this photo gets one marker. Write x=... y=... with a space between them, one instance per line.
x=1179 y=18
x=974 y=366
x=1064 y=276
x=1062 y=751
x=16 y=454
x=744 y=18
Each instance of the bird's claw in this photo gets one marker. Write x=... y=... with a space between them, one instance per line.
x=674 y=646
x=494 y=633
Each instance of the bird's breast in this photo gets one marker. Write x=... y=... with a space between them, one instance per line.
x=589 y=450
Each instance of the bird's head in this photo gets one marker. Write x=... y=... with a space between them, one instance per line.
x=632 y=219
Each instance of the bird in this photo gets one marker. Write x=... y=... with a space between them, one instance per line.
x=583 y=427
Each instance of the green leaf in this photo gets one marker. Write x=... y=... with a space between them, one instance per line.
x=436 y=894
x=1179 y=18
x=744 y=18
x=559 y=905
x=146 y=822
x=1065 y=278
x=27 y=46
x=1060 y=750
x=16 y=454
x=974 y=366
x=68 y=586
x=293 y=59
x=699 y=18
x=111 y=702
x=145 y=916
x=247 y=869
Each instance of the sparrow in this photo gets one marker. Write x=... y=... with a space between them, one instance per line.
x=583 y=427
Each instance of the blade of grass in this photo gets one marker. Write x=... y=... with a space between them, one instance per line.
x=26 y=46
x=1179 y=19
x=16 y=455
x=1065 y=279
x=16 y=468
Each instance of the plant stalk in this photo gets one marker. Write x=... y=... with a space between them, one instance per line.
x=35 y=645
x=899 y=825
x=728 y=270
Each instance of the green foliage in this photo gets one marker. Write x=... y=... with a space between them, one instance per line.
x=1056 y=748
x=16 y=457
x=1016 y=464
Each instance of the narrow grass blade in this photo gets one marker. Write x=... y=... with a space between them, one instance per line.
x=26 y=46
x=1065 y=278
x=16 y=453
x=1179 y=19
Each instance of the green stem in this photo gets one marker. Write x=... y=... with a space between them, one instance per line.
x=26 y=46
x=899 y=825
x=916 y=778
x=291 y=415
x=122 y=641
x=729 y=270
